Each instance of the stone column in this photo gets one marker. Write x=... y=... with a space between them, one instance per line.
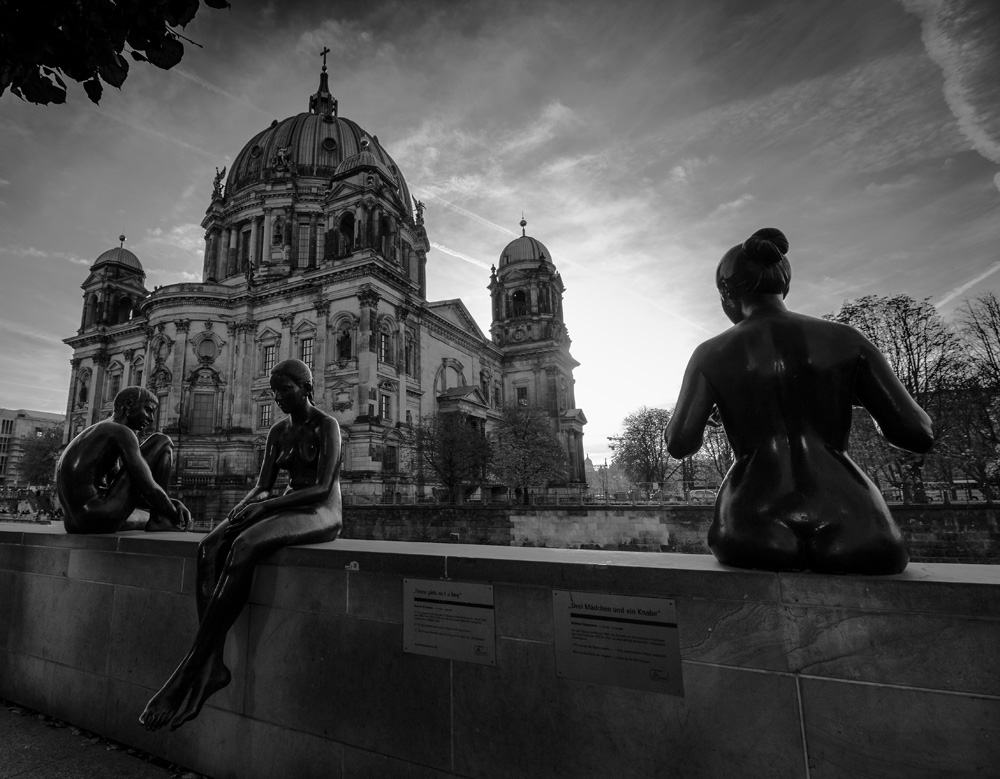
x=175 y=397
x=101 y=360
x=208 y=265
x=367 y=363
x=401 y=364
x=223 y=252
x=312 y=240
x=232 y=265
x=286 y=338
x=253 y=243
x=265 y=238
x=319 y=352
x=74 y=373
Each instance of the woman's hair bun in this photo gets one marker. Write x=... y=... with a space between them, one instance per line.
x=767 y=246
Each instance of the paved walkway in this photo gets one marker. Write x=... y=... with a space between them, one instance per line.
x=34 y=746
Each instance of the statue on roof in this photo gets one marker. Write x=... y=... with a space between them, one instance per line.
x=217 y=184
x=420 y=210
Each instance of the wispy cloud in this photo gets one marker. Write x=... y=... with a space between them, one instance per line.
x=31 y=251
x=961 y=37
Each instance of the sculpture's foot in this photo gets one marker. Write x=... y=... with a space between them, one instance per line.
x=162 y=706
x=210 y=682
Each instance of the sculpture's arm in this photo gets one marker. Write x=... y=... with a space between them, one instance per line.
x=268 y=473
x=327 y=473
x=142 y=478
x=901 y=420
x=686 y=429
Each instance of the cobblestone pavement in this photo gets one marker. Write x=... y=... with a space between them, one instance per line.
x=35 y=746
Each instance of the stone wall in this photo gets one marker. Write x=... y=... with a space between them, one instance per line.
x=796 y=676
x=934 y=533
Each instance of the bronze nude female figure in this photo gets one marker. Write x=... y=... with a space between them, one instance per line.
x=784 y=385
x=306 y=444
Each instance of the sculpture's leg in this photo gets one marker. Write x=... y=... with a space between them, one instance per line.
x=158 y=452
x=192 y=677
x=212 y=553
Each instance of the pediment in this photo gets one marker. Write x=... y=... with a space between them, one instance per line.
x=455 y=312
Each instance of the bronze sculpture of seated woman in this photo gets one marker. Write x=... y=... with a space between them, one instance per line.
x=784 y=385
x=307 y=445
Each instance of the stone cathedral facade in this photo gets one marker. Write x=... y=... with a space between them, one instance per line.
x=315 y=249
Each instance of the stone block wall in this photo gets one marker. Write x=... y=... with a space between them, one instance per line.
x=934 y=533
x=785 y=675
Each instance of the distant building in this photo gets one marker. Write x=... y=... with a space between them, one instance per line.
x=17 y=425
x=315 y=249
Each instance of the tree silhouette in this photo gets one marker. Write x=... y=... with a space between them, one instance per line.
x=85 y=41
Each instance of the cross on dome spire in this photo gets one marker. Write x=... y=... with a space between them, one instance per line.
x=322 y=102
x=523 y=223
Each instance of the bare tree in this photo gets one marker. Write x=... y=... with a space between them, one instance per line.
x=925 y=353
x=640 y=450
x=455 y=449
x=39 y=455
x=525 y=452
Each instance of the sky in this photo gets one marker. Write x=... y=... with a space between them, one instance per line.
x=640 y=140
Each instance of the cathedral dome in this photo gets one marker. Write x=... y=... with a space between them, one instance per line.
x=118 y=256
x=524 y=249
x=315 y=143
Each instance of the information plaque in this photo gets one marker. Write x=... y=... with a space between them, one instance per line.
x=618 y=640
x=453 y=620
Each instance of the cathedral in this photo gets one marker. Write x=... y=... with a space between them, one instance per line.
x=315 y=249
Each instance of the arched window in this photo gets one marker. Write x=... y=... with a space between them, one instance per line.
x=519 y=303
x=124 y=310
x=90 y=311
x=346 y=234
x=344 y=344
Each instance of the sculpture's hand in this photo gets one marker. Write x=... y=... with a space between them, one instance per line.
x=248 y=515
x=184 y=520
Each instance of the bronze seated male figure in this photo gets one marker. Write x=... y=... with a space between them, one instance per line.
x=105 y=473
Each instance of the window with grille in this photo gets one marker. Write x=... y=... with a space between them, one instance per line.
x=269 y=352
x=384 y=348
x=202 y=413
x=114 y=385
x=264 y=416
x=244 y=248
x=306 y=351
x=390 y=459
x=161 y=412
x=303 y=252
x=385 y=407
x=522 y=396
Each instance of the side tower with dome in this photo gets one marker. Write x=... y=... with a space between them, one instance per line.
x=112 y=294
x=314 y=249
x=527 y=304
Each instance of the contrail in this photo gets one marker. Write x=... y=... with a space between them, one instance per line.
x=950 y=296
x=219 y=91
x=157 y=133
x=472 y=216
x=460 y=256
